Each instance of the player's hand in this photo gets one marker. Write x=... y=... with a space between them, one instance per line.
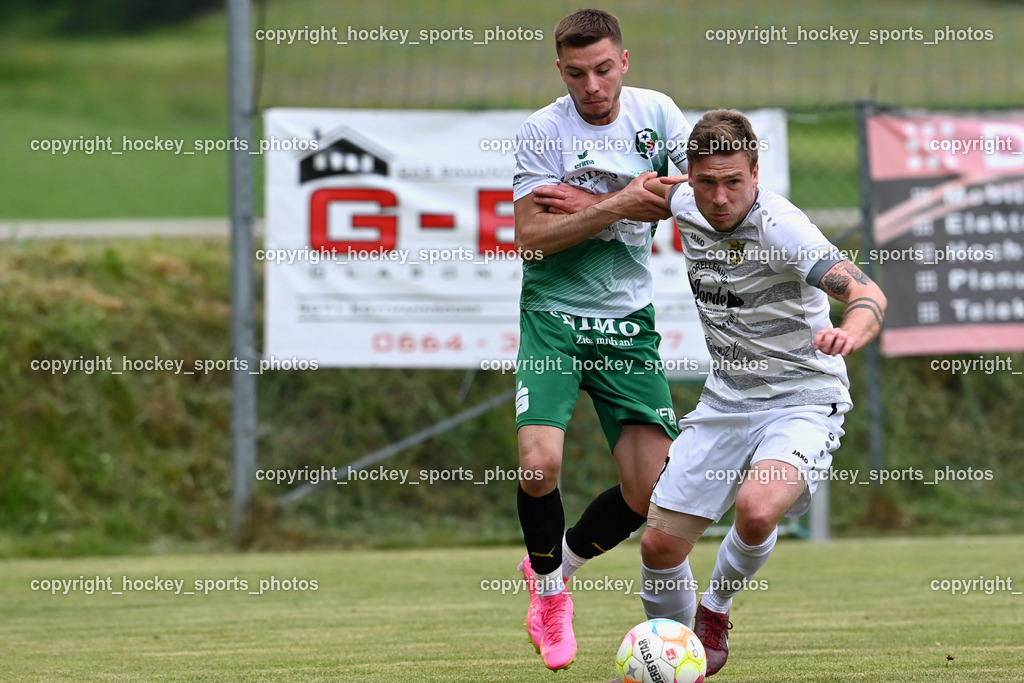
x=638 y=203
x=834 y=341
x=563 y=198
x=673 y=179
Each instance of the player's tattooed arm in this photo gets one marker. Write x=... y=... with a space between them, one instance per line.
x=865 y=309
x=837 y=280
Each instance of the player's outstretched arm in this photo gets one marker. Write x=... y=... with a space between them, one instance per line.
x=540 y=231
x=565 y=198
x=865 y=310
x=663 y=185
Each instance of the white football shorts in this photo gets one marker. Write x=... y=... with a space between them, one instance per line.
x=714 y=451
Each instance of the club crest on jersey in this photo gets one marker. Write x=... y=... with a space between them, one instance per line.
x=646 y=143
x=734 y=256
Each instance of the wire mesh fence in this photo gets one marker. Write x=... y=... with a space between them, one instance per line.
x=815 y=59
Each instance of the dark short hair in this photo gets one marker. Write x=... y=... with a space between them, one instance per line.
x=585 y=27
x=722 y=131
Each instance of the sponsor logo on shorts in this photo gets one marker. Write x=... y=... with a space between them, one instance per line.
x=522 y=399
x=607 y=331
x=668 y=414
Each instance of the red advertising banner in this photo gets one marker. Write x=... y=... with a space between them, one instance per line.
x=948 y=200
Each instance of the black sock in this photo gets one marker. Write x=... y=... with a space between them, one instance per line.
x=606 y=522
x=543 y=522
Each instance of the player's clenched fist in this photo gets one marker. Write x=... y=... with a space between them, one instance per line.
x=834 y=341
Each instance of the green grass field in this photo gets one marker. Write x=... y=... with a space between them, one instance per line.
x=844 y=611
x=109 y=465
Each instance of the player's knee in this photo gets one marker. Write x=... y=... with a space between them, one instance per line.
x=545 y=467
x=540 y=484
x=754 y=523
x=662 y=551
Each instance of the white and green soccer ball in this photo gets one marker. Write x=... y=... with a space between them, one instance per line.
x=661 y=651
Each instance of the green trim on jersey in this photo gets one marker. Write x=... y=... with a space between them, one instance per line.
x=556 y=144
x=577 y=277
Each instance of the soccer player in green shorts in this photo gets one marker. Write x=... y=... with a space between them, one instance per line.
x=584 y=224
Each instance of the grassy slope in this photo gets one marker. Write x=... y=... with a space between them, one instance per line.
x=89 y=461
x=845 y=611
x=104 y=463
x=100 y=458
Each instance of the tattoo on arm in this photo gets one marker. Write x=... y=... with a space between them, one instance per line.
x=856 y=273
x=868 y=303
x=836 y=281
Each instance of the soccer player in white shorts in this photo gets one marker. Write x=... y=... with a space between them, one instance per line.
x=771 y=412
x=584 y=224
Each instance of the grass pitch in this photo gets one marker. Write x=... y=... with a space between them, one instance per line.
x=847 y=610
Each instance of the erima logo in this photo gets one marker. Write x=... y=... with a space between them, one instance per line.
x=348 y=154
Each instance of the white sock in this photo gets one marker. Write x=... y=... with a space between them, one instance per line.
x=550 y=584
x=736 y=565
x=669 y=593
x=570 y=560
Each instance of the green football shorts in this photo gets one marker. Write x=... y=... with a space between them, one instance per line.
x=616 y=361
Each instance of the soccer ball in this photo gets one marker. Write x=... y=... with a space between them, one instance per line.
x=661 y=651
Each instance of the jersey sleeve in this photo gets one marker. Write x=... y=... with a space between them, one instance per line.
x=678 y=134
x=678 y=196
x=796 y=244
x=538 y=159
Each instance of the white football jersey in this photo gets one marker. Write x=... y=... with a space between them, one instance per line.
x=607 y=275
x=756 y=289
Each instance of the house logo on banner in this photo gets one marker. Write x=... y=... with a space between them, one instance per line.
x=348 y=154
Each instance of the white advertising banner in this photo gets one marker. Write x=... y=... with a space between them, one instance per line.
x=389 y=240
